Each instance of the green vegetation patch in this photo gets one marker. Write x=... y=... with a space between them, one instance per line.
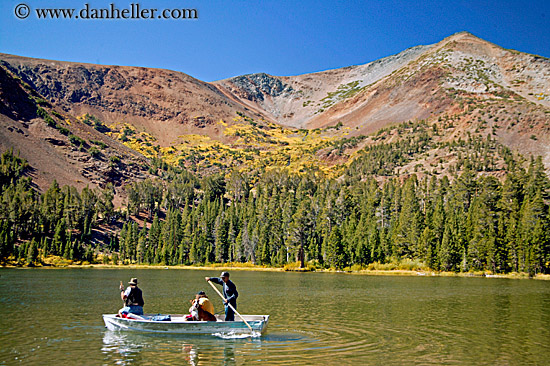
x=343 y=92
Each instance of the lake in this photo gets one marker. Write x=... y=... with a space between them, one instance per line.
x=54 y=316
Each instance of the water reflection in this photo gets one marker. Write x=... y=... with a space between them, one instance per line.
x=192 y=356
x=123 y=348
x=127 y=348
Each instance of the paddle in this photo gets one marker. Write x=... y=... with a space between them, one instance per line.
x=231 y=306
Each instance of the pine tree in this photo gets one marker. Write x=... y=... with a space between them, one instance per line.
x=4 y=251
x=77 y=251
x=238 y=247
x=238 y=187
x=264 y=246
x=214 y=187
x=141 y=249
x=32 y=253
x=408 y=230
x=220 y=243
x=352 y=248
x=59 y=237
x=104 y=204
x=446 y=251
x=67 y=249
x=49 y=203
x=186 y=242
x=154 y=239
x=89 y=255
x=335 y=249
x=428 y=244
x=299 y=231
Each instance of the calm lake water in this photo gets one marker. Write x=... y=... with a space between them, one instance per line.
x=52 y=316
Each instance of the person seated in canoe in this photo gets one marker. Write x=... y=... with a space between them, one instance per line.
x=133 y=299
x=201 y=308
x=229 y=293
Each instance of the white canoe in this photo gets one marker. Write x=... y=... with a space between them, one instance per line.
x=178 y=324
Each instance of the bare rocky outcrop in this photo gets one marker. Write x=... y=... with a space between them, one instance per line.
x=257 y=87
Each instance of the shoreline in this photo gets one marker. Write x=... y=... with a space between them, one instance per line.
x=365 y=272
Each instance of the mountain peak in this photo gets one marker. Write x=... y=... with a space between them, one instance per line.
x=461 y=34
x=483 y=89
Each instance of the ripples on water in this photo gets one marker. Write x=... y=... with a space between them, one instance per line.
x=50 y=315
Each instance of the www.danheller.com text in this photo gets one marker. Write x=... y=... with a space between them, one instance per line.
x=132 y=11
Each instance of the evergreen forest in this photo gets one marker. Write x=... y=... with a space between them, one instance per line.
x=460 y=222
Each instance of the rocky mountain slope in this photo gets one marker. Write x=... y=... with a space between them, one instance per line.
x=463 y=87
x=60 y=147
x=162 y=102
x=460 y=74
x=399 y=87
x=296 y=100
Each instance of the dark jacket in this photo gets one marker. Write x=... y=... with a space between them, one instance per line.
x=135 y=297
x=229 y=289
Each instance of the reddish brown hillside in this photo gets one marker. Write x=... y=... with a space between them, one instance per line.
x=57 y=146
x=427 y=86
x=164 y=103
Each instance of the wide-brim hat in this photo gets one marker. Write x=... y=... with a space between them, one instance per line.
x=133 y=281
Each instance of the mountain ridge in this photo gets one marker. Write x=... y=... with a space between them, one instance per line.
x=298 y=121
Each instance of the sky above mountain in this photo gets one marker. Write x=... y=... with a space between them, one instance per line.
x=281 y=37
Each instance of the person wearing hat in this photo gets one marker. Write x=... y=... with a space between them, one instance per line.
x=132 y=297
x=229 y=292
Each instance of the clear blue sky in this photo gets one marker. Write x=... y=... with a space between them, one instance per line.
x=234 y=37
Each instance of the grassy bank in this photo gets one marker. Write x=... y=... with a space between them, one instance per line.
x=371 y=270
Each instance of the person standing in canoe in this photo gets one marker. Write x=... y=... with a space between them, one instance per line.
x=229 y=292
x=132 y=297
